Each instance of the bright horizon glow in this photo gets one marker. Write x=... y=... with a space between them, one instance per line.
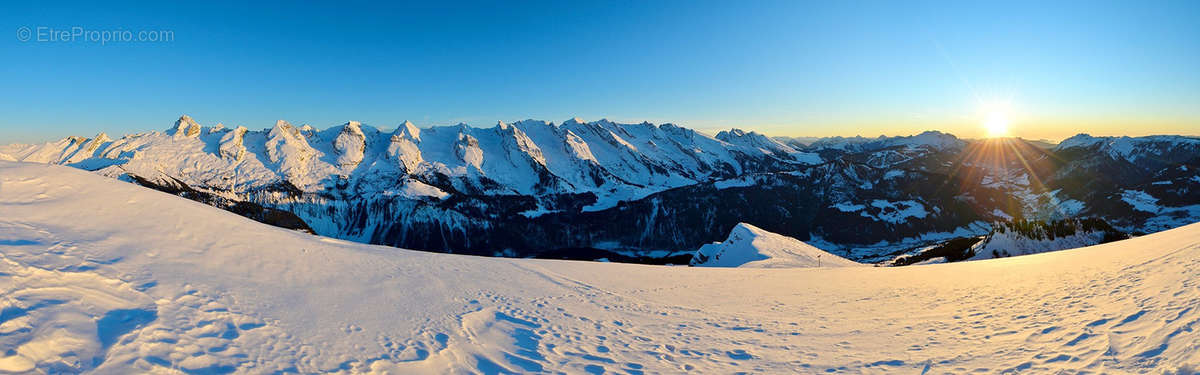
x=997 y=113
x=996 y=126
x=782 y=68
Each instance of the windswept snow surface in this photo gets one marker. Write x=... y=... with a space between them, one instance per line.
x=99 y=275
x=751 y=247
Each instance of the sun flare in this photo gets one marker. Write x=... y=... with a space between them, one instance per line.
x=996 y=125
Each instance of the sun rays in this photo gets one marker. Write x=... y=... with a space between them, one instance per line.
x=995 y=116
x=996 y=125
x=987 y=164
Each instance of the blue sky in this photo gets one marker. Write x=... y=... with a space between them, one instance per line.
x=784 y=68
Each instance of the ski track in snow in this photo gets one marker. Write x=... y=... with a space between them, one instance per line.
x=105 y=277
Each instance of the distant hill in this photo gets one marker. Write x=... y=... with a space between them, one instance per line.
x=751 y=247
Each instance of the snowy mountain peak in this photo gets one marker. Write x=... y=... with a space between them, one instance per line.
x=531 y=122
x=185 y=127
x=350 y=144
x=1131 y=148
x=1078 y=140
x=523 y=143
x=574 y=121
x=87 y=147
x=287 y=147
x=754 y=140
x=734 y=132
x=926 y=141
x=101 y=138
x=282 y=128
x=931 y=138
x=403 y=149
x=751 y=247
x=468 y=151
x=232 y=144
x=407 y=131
x=767 y=145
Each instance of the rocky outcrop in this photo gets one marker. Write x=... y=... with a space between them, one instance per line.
x=232 y=145
x=185 y=127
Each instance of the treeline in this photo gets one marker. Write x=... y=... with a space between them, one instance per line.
x=1049 y=230
x=963 y=248
x=954 y=250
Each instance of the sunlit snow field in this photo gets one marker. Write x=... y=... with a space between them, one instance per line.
x=100 y=275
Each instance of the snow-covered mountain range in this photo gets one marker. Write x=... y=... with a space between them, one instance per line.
x=529 y=158
x=103 y=277
x=531 y=188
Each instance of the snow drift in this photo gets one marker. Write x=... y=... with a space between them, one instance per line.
x=751 y=247
x=107 y=277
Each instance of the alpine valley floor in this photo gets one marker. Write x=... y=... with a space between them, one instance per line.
x=102 y=276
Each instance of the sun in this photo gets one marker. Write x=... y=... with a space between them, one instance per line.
x=996 y=125
x=996 y=113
